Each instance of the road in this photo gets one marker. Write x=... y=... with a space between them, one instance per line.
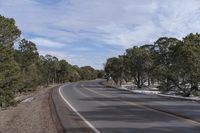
x=109 y=110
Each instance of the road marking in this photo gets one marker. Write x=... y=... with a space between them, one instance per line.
x=100 y=103
x=80 y=92
x=87 y=122
x=147 y=108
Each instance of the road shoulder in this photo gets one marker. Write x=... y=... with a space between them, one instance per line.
x=69 y=121
x=32 y=115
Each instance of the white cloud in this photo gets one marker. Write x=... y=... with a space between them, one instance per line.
x=121 y=35
x=50 y=21
x=180 y=17
x=65 y=20
x=47 y=43
x=74 y=59
x=113 y=23
x=61 y=55
x=58 y=54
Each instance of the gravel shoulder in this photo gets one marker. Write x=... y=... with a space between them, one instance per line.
x=32 y=115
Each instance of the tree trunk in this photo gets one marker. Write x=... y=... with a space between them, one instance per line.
x=149 y=81
x=138 y=81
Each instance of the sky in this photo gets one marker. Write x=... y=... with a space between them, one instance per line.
x=87 y=32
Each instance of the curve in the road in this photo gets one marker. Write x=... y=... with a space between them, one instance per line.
x=150 y=108
x=109 y=110
x=86 y=121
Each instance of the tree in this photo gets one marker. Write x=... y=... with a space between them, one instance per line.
x=100 y=73
x=9 y=32
x=114 y=68
x=27 y=57
x=178 y=64
x=87 y=73
x=23 y=69
x=42 y=66
x=137 y=63
x=163 y=61
x=74 y=74
x=52 y=66
x=63 y=71
x=192 y=39
x=187 y=59
x=9 y=70
x=186 y=64
x=148 y=48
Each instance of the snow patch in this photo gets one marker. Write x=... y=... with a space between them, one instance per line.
x=28 y=100
x=154 y=91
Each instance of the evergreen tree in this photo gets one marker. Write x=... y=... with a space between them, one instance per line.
x=9 y=69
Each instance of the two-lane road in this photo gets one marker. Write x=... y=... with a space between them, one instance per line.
x=109 y=110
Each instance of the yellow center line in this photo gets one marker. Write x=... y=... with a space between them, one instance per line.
x=98 y=102
x=141 y=105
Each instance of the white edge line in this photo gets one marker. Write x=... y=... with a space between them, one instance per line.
x=87 y=122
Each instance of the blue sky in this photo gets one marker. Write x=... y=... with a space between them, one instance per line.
x=87 y=32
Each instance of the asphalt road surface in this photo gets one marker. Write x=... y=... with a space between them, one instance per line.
x=109 y=110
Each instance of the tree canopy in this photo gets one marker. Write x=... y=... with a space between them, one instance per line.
x=22 y=69
x=173 y=63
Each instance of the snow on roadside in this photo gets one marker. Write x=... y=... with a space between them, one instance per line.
x=28 y=100
x=146 y=92
x=193 y=98
x=155 y=91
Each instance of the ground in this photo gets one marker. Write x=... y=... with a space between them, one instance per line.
x=32 y=115
x=150 y=90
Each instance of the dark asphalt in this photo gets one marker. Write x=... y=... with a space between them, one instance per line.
x=111 y=110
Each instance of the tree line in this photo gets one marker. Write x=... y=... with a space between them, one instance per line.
x=22 y=69
x=172 y=63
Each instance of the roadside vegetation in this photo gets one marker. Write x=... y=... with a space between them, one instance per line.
x=22 y=69
x=171 y=63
